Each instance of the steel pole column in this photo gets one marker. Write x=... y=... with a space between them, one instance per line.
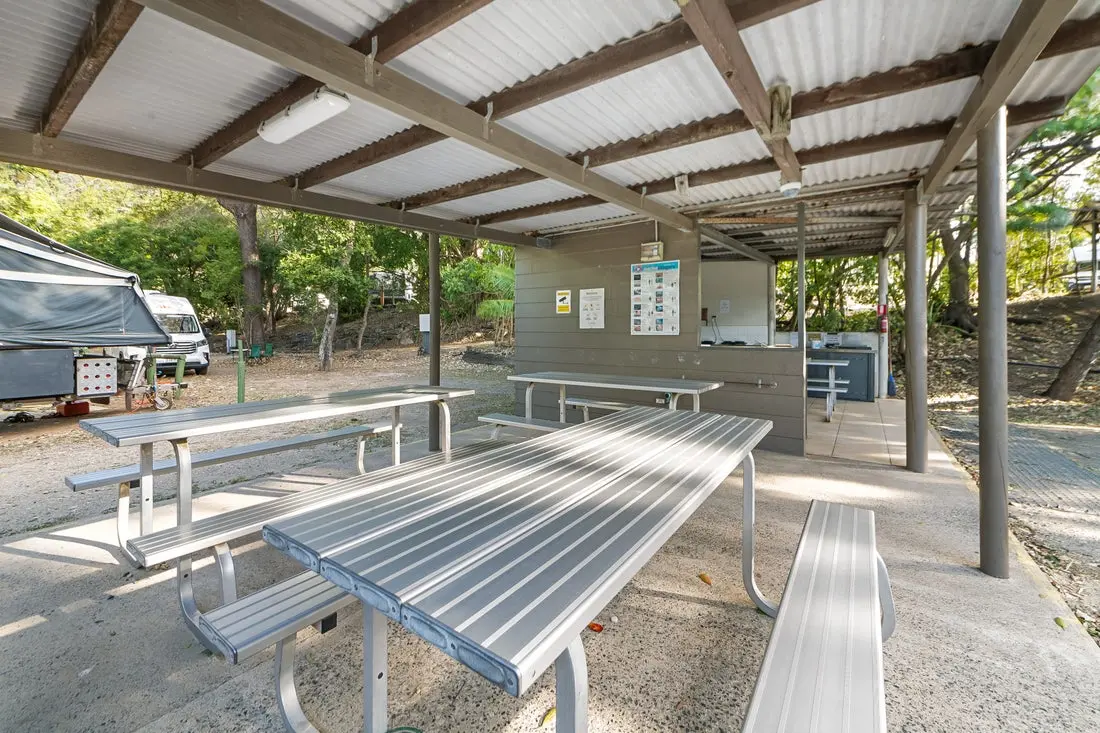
x=802 y=311
x=1092 y=285
x=883 y=336
x=993 y=347
x=916 y=334
x=433 y=337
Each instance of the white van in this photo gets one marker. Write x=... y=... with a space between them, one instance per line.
x=177 y=316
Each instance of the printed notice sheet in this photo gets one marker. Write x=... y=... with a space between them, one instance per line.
x=655 y=298
x=591 y=304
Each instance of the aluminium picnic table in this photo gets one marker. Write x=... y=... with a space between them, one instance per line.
x=503 y=558
x=674 y=387
x=831 y=387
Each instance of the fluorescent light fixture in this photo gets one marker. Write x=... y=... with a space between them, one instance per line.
x=322 y=105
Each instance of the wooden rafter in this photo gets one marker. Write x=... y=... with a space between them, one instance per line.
x=933 y=132
x=608 y=62
x=398 y=33
x=1028 y=33
x=718 y=34
x=964 y=63
x=109 y=24
x=281 y=39
x=62 y=154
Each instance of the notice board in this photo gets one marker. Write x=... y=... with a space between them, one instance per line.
x=655 y=298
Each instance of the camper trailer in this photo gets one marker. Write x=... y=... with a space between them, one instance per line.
x=64 y=317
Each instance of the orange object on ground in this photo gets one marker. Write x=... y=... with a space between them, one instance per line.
x=73 y=409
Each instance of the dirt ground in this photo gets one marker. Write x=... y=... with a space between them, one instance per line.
x=1044 y=332
x=35 y=457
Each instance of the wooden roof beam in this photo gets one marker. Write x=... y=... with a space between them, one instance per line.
x=962 y=64
x=714 y=26
x=1028 y=33
x=281 y=39
x=905 y=137
x=661 y=42
x=404 y=29
x=109 y=24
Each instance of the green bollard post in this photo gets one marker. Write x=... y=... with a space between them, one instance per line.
x=181 y=365
x=240 y=372
x=151 y=369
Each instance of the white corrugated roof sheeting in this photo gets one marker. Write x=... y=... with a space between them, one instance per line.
x=168 y=87
x=1062 y=75
x=723 y=151
x=506 y=199
x=588 y=215
x=344 y=20
x=510 y=40
x=36 y=40
x=360 y=125
x=432 y=166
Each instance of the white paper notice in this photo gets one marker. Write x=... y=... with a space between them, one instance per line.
x=655 y=298
x=591 y=303
x=723 y=306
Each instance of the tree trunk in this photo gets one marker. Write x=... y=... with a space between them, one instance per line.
x=1073 y=371
x=328 y=335
x=253 y=315
x=363 y=325
x=958 y=311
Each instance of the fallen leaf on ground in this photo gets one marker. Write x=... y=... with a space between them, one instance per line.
x=706 y=579
x=1060 y=621
x=548 y=717
x=596 y=627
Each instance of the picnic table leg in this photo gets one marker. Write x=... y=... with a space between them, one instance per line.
x=190 y=609
x=748 y=522
x=561 y=403
x=695 y=402
x=530 y=400
x=571 y=689
x=146 y=482
x=395 y=436
x=673 y=399
x=361 y=455
x=286 y=693
x=444 y=426
x=375 y=716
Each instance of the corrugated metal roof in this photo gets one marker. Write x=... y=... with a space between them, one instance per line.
x=168 y=86
x=705 y=155
x=360 y=124
x=1062 y=75
x=345 y=20
x=433 y=166
x=510 y=40
x=683 y=88
x=504 y=200
x=587 y=215
x=36 y=40
x=912 y=157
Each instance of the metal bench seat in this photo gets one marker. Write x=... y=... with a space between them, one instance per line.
x=586 y=404
x=825 y=381
x=515 y=421
x=275 y=615
x=823 y=667
x=113 y=476
x=175 y=542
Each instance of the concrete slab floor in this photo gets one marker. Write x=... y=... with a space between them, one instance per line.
x=873 y=432
x=87 y=644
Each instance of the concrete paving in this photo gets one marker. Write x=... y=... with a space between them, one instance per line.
x=87 y=644
x=873 y=432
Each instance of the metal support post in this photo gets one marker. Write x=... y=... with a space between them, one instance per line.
x=395 y=436
x=771 y=304
x=434 y=295
x=801 y=314
x=916 y=334
x=375 y=716
x=1092 y=284
x=571 y=689
x=993 y=347
x=748 y=527
x=561 y=404
x=240 y=372
x=884 y=335
x=146 y=483
x=181 y=367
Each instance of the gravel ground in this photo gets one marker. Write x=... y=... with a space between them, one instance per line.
x=35 y=457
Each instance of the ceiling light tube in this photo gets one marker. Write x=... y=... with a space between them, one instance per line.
x=304 y=114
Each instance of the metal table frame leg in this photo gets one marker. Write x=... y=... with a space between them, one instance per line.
x=122 y=523
x=375 y=673
x=286 y=692
x=673 y=400
x=748 y=523
x=395 y=436
x=561 y=403
x=529 y=400
x=571 y=689
x=146 y=482
x=444 y=426
x=695 y=402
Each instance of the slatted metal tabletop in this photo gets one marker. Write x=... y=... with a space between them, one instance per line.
x=674 y=387
x=503 y=558
x=147 y=427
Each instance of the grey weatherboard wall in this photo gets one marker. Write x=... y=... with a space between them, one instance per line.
x=548 y=341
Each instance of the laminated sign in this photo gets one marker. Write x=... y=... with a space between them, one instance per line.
x=563 y=300
x=655 y=298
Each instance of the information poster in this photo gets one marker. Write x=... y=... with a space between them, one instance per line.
x=563 y=301
x=591 y=305
x=655 y=298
